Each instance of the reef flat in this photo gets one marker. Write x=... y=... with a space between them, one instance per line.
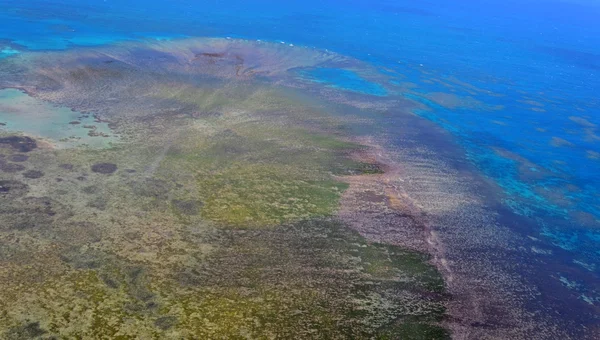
x=236 y=199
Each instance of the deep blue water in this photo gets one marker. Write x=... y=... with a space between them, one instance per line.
x=523 y=79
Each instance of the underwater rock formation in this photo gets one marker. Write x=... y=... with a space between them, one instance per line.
x=33 y=174
x=12 y=189
x=10 y=167
x=104 y=168
x=18 y=158
x=188 y=207
x=18 y=143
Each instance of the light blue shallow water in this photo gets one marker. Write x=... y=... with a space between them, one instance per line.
x=516 y=83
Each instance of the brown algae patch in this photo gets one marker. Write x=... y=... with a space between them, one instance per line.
x=528 y=170
x=560 y=142
x=589 y=128
x=592 y=154
x=532 y=102
x=582 y=122
x=453 y=101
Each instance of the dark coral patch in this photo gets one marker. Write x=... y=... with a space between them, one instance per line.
x=19 y=143
x=84 y=259
x=109 y=281
x=66 y=166
x=360 y=168
x=13 y=188
x=32 y=213
x=18 y=158
x=43 y=205
x=137 y=283
x=365 y=168
x=165 y=322
x=190 y=207
x=151 y=187
x=30 y=330
x=104 y=168
x=11 y=167
x=33 y=174
x=77 y=233
x=205 y=114
x=414 y=330
x=98 y=202
x=92 y=189
x=370 y=168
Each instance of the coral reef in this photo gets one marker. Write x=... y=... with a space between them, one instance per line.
x=228 y=221
x=104 y=168
x=19 y=143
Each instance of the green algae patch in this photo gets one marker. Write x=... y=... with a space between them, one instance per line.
x=296 y=137
x=384 y=261
x=326 y=292
x=256 y=173
x=214 y=96
x=335 y=285
x=231 y=314
x=248 y=195
x=77 y=305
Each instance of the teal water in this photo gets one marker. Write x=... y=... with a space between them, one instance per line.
x=61 y=126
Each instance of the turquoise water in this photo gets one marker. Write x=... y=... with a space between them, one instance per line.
x=63 y=126
x=345 y=80
x=514 y=83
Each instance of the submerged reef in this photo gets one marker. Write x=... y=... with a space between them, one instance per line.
x=104 y=168
x=13 y=189
x=18 y=143
x=228 y=221
x=18 y=158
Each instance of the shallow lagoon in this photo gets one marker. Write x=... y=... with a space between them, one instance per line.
x=62 y=126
